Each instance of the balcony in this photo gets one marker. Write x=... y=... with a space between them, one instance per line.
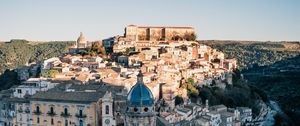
x=37 y=112
x=80 y=115
x=51 y=113
x=20 y=110
x=27 y=111
x=65 y=114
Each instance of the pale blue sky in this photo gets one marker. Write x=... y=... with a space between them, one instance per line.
x=98 y=19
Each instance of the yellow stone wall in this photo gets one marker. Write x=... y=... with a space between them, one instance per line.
x=73 y=109
x=135 y=33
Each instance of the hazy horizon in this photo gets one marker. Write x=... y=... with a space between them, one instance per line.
x=268 y=20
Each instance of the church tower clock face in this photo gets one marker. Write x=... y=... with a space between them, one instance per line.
x=107 y=121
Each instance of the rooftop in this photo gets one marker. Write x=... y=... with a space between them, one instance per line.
x=183 y=27
x=75 y=93
x=218 y=107
x=184 y=110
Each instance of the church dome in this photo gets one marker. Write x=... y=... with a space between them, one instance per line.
x=81 y=38
x=140 y=94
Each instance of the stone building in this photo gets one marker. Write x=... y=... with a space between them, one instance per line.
x=69 y=105
x=139 y=37
x=22 y=111
x=7 y=108
x=32 y=86
x=158 y=33
x=80 y=45
x=81 y=41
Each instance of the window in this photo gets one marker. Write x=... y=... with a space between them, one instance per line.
x=80 y=123
x=20 y=117
x=80 y=113
x=146 y=109
x=66 y=122
x=106 y=109
x=38 y=120
x=19 y=91
x=66 y=111
x=37 y=109
x=51 y=110
x=52 y=121
x=28 y=118
x=11 y=106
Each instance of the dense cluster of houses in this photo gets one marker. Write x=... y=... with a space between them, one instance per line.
x=165 y=62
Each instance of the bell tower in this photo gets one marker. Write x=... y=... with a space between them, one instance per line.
x=107 y=110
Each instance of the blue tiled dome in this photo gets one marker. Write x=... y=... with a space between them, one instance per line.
x=140 y=94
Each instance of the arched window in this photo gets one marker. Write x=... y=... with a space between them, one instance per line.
x=37 y=109
x=66 y=111
x=80 y=113
x=66 y=122
x=51 y=110
x=106 y=109
x=80 y=123
x=52 y=121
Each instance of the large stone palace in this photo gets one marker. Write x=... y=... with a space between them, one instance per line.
x=158 y=33
x=145 y=36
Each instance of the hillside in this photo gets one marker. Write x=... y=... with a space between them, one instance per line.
x=17 y=53
x=281 y=82
x=273 y=67
x=249 y=53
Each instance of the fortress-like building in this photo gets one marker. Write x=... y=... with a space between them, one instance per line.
x=146 y=36
x=158 y=33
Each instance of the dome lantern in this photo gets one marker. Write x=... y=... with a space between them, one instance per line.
x=140 y=94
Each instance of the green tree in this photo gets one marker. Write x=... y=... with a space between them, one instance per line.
x=128 y=51
x=191 y=87
x=50 y=73
x=178 y=100
x=193 y=37
x=102 y=51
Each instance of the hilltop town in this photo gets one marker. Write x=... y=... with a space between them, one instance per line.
x=149 y=76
